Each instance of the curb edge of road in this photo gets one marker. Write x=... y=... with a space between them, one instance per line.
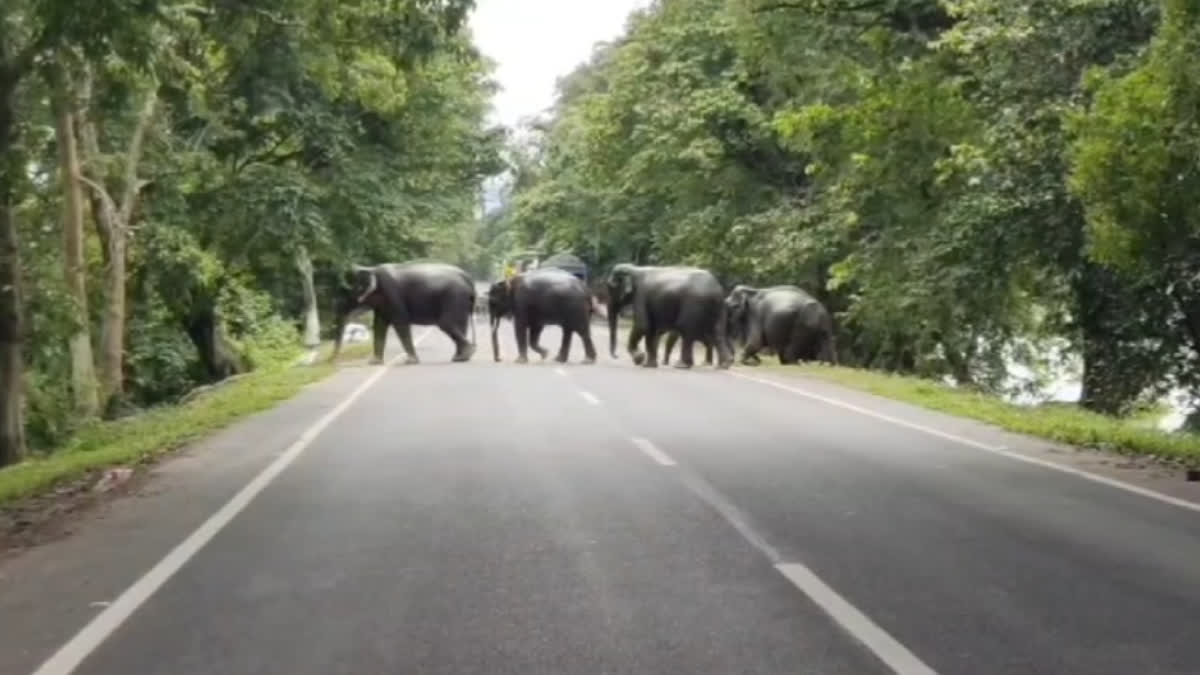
x=1192 y=504
x=997 y=450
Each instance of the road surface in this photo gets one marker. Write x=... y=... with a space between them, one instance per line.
x=498 y=518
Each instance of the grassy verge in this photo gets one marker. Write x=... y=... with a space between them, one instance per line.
x=143 y=437
x=1065 y=423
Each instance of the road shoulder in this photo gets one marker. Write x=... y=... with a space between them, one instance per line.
x=1145 y=473
x=49 y=591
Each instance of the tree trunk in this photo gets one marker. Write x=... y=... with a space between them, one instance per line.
x=112 y=224
x=312 y=324
x=1115 y=372
x=84 y=387
x=12 y=366
x=112 y=325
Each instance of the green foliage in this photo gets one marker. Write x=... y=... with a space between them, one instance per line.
x=145 y=437
x=908 y=162
x=287 y=138
x=1135 y=172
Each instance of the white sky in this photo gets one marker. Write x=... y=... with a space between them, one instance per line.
x=534 y=42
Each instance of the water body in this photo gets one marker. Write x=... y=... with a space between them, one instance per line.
x=1061 y=382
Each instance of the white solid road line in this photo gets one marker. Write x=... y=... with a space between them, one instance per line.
x=994 y=449
x=653 y=452
x=70 y=655
x=884 y=646
x=589 y=397
x=870 y=413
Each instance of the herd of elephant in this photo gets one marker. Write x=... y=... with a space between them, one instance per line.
x=675 y=302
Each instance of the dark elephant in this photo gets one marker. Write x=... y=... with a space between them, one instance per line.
x=784 y=319
x=538 y=298
x=686 y=300
x=406 y=294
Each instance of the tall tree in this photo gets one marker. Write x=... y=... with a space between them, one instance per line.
x=65 y=96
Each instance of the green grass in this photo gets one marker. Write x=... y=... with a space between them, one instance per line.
x=157 y=431
x=1062 y=422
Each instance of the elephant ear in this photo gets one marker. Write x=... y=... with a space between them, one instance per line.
x=365 y=279
x=625 y=281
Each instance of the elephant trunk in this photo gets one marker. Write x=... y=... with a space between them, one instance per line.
x=339 y=327
x=613 y=310
x=495 y=321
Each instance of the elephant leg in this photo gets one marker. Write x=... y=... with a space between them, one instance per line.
x=754 y=343
x=636 y=333
x=462 y=348
x=379 y=327
x=454 y=323
x=535 y=334
x=521 y=330
x=672 y=338
x=721 y=343
x=564 y=349
x=795 y=350
x=404 y=332
x=651 y=348
x=709 y=339
x=589 y=348
x=686 y=356
x=828 y=352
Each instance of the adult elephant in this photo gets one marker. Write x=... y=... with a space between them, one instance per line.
x=538 y=298
x=665 y=299
x=784 y=319
x=406 y=294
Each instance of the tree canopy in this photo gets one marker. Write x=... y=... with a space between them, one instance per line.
x=183 y=182
x=962 y=182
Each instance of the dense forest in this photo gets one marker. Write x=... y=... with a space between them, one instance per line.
x=182 y=181
x=966 y=184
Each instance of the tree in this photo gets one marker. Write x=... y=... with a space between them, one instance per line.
x=904 y=160
x=1135 y=171
x=230 y=158
x=66 y=105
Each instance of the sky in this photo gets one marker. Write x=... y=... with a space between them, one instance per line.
x=534 y=42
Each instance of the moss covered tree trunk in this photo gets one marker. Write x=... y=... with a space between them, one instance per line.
x=113 y=219
x=12 y=371
x=84 y=387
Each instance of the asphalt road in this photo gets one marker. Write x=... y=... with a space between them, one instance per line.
x=504 y=518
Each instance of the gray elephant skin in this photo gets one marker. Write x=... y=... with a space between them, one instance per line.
x=784 y=319
x=538 y=298
x=665 y=299
x=673 y=338
x=402 y=295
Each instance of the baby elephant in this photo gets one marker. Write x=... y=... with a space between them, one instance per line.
x=535 y=299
